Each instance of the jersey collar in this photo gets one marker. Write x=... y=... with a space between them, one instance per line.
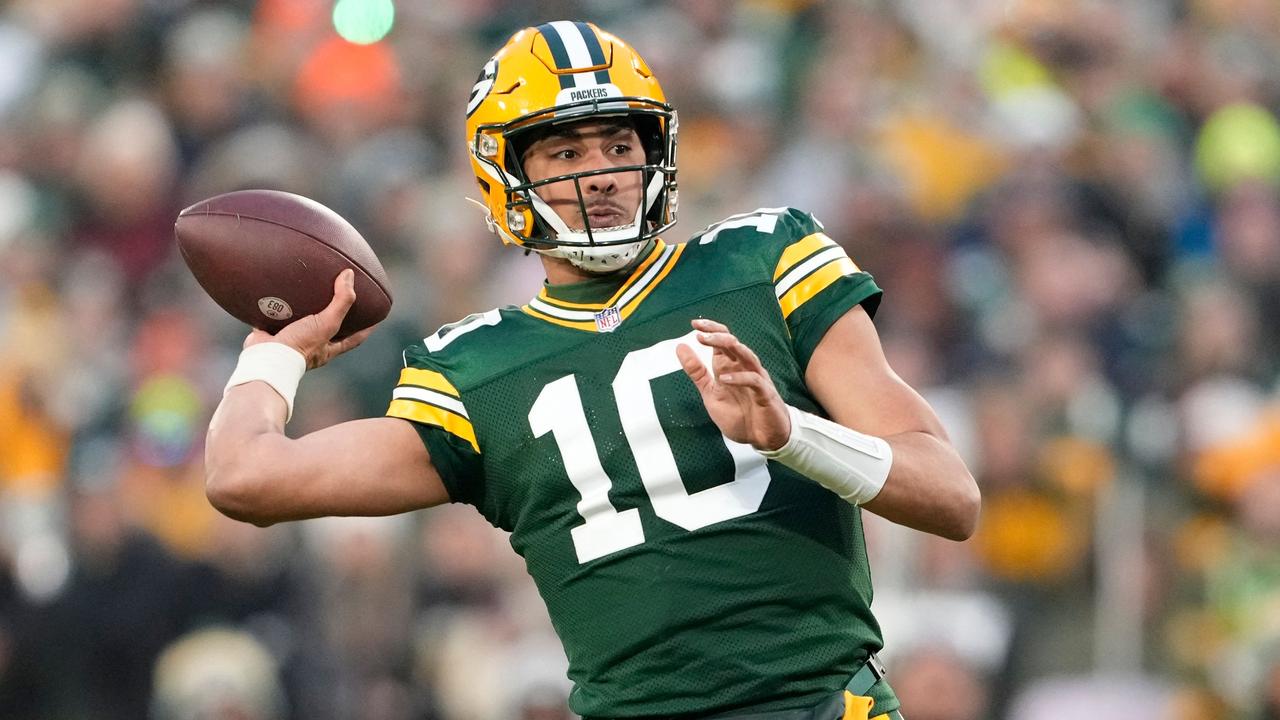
x=601 y=304
x=596 y=292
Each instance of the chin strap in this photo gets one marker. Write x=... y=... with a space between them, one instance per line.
x=595 y=259
x=489 y=222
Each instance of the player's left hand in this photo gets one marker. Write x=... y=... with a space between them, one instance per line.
x=737 y=390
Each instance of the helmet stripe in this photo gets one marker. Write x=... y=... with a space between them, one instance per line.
x=575 y=45
x=594 y=50
x=558 y=52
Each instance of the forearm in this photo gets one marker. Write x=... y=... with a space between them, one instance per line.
x=928 y=488
x=236 y=463
x=255 y=473
x=914 y=478
x=368 y=467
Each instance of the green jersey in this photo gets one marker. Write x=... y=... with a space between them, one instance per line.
x=682 y=572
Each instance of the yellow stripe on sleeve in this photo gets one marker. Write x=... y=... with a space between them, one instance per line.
x=815 y=283
x=799 y=250
x=428 y=379
x=432 y=415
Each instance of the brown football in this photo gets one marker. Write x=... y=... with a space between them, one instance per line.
x=270 y=257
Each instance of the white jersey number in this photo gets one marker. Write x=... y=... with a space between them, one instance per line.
x=764 y=220
x=559 y=411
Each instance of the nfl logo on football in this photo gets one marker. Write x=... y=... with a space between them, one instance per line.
x=608 y=319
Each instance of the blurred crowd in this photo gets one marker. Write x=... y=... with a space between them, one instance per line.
x=1073 y=207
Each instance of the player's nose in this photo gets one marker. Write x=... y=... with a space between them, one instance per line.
x=604 y=183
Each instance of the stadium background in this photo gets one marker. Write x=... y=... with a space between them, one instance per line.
x=1072 y=205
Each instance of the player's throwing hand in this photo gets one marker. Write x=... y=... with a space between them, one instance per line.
x=740 y=397
x=312 y=335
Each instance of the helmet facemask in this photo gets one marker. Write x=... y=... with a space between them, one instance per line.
x=532 y=222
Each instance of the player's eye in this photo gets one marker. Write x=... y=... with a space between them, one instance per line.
x=565 y=154
x=621 y=149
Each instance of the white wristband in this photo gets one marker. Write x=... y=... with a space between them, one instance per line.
x=849 y=463
x=275 y=364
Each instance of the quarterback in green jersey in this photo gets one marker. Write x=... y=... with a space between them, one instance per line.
x=679 y=437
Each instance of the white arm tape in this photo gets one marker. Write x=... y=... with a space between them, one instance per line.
x=275 y=364
x=849 y=463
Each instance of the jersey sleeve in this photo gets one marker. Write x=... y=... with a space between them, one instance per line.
x=816 y=282
x=425 y=397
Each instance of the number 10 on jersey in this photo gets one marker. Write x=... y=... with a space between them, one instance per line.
x=558 y=410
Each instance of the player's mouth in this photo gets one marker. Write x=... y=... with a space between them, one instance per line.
x=606 y=216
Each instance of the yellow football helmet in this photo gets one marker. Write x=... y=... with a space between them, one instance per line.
x=568 y=72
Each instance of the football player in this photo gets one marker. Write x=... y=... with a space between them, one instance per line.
x=679 y=437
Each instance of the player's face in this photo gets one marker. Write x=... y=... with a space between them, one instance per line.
x=611 y=198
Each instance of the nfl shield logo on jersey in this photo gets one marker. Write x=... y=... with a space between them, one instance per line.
x=608 y=319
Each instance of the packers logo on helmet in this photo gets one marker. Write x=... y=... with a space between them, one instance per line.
x=562 y=72
x=483 y=85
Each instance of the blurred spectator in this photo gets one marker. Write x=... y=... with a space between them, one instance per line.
x=1103 y=698
x=486 y=643
x=206 y=83
x=215 y=675
x=364 y=606
x=936 y=684
x=125 y=600
x=126 y=172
